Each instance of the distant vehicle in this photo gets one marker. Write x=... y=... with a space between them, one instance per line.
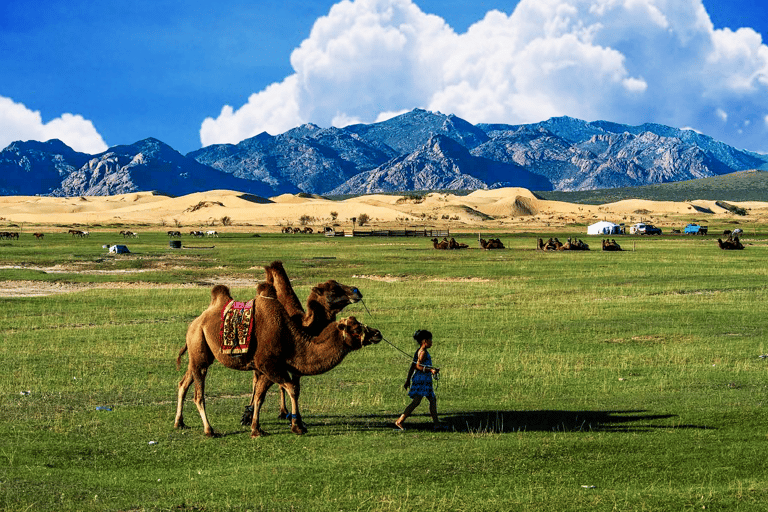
x=695 y=229
x=642 y=228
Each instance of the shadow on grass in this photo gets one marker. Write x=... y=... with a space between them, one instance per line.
x=562 y=421
x=502 y=422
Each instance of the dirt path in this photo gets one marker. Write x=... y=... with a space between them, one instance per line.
x=27 y=288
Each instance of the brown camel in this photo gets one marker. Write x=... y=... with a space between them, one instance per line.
x=611 y=245
x=730 y=244
x=573 y=245
x=439 y=245
x=493 y=243
x=325 y=301
x=549 y=246
x=279 y=352
x=453 y=244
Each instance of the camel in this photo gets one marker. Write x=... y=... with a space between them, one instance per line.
x=439 y=245
x=611 y=245
x=573 y=245
x=730 y=244
x=325 y=301
x=279 y=352
x=493 y=243
x=453 y=244
x=551 y=245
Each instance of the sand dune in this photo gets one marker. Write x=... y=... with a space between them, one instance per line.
x=490 y=209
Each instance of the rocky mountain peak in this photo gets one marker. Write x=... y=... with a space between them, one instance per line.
x=417 y=150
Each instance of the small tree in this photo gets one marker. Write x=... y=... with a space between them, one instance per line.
x=363 y=219
x=334 y=215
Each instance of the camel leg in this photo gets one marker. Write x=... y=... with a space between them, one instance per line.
x=273 y=371
x=182 y=393
x=261 y=386
x=283 y=409
x=199 y=376
x=248 y=413
x=293 y=388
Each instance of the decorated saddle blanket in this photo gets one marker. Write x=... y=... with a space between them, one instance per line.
x=236 y=327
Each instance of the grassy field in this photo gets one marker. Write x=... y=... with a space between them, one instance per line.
x=737 y=186
x=571 y=381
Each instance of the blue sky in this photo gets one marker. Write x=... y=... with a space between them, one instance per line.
x=102 y=73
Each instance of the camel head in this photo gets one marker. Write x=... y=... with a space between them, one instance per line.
x=358 y=335
x=336 y=296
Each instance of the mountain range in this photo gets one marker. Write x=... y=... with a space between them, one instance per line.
x=418 y=150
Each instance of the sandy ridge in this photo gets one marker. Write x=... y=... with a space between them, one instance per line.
x=482 y=208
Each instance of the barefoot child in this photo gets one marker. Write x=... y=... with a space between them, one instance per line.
x=421 y=385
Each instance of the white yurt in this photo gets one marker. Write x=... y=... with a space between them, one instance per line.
x=604 y=228
x=119 y=249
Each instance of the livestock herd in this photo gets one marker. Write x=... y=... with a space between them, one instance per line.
x=553 y=244
x=195 y=233
x=307 y=230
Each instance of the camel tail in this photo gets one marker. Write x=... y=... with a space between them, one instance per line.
x=178 y=359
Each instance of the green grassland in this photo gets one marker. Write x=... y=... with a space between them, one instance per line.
x=570 y=381
x=737 y=186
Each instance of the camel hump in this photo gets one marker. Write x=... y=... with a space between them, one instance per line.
x=220 y=293
x=266 y=290
x=275 y=266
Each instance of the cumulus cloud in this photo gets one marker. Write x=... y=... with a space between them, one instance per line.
x=17 y=122
x=630 y=61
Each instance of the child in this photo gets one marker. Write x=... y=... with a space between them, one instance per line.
x=421 y=386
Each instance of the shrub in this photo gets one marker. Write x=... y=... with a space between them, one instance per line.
x=363 y=219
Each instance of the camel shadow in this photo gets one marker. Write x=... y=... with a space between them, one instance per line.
x=504 y=422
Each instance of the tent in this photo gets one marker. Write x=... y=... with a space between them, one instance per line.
x=119 y=249
x=604 y=228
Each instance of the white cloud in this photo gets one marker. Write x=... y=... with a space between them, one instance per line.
x=721 y=114
x=17 y=122
x=630 y=61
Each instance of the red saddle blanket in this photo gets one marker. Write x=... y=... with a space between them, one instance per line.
x=236 y=327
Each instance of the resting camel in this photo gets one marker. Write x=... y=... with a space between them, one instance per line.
x=453 y=244
x=573 y=245
x=730 y=244
x=611 y=245
x=439 y=245
x=493 y=243
x=279 y=352
x=325 y=301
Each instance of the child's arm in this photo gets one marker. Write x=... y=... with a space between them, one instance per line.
x=410 y=374
x=420 y=363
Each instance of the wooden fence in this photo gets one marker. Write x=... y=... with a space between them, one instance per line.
x=430 y=233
